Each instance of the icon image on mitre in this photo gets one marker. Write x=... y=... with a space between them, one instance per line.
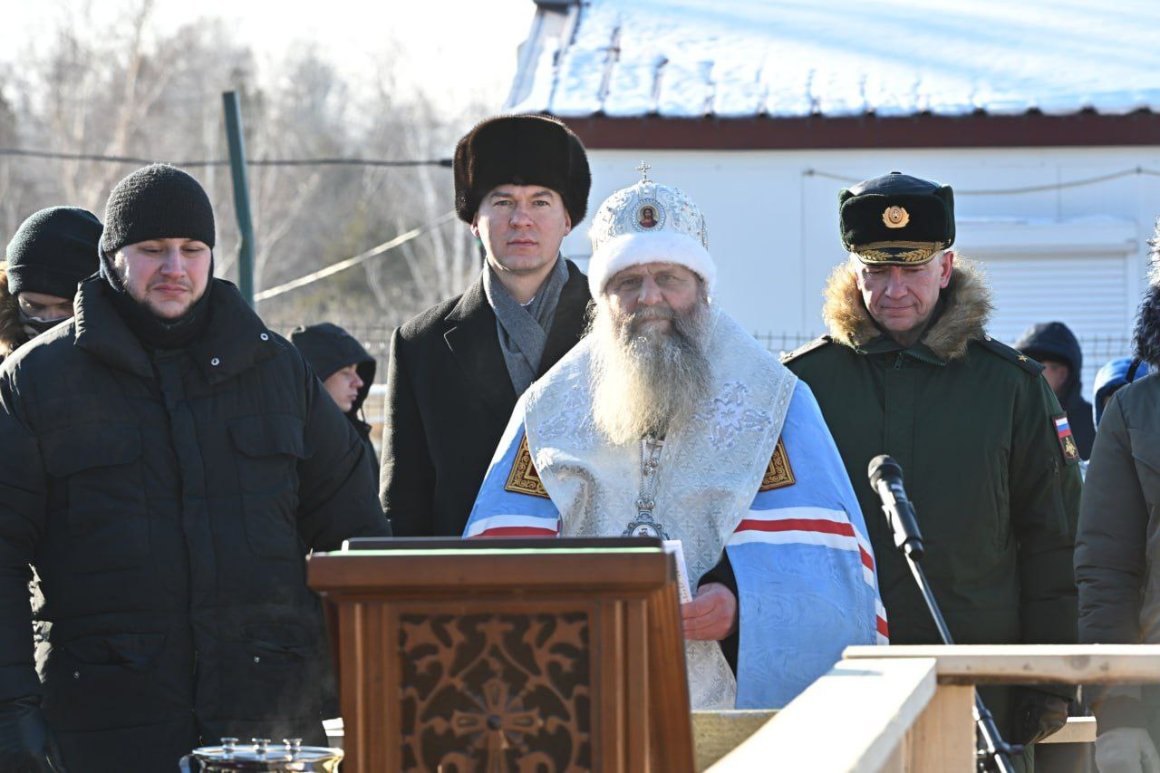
x=646 y=216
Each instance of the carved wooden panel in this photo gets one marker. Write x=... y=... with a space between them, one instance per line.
x=495 y=692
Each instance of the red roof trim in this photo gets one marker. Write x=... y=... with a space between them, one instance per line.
x=869 y=131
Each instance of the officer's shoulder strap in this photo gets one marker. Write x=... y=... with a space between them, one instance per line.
x=806 y=348
x=1010 y=354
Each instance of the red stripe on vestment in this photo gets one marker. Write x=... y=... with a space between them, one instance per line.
x=798 y=524
x=516 y=531
x=883 y=628
x=867 y=559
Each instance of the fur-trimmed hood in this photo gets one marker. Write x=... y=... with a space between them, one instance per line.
x=12 y=333
x=1147 y=334
x=966 y=308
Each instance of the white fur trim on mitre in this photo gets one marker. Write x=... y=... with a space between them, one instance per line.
x=635 y=249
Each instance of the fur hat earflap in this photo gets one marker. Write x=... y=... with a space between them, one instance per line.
x=521 y=150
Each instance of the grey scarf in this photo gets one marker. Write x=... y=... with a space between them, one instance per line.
x=523 y=330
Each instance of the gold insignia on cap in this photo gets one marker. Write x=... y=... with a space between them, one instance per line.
x=895 y=217
x=523 y=478
x=778 y=474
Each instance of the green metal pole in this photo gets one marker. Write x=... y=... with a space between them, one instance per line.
x=241 y=195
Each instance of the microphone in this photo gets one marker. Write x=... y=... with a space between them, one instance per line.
x=886 y=479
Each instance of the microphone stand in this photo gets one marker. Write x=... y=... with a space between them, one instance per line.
x=994 y=754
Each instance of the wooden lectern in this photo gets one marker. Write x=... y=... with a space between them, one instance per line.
x=508 y=655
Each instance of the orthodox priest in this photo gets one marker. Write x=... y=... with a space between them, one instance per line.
x=670 y=420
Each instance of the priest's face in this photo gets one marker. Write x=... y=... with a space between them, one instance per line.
x=650 y=370
x=653 y=294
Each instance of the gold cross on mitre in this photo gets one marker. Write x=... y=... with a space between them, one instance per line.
x=643 y=168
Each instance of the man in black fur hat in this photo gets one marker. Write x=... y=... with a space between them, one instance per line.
x=909 y=370
x=1115 y=554
x=166 y=463
x=51 y=252
x=456 y=370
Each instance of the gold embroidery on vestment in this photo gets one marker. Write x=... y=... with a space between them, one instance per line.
x=778 y=474
x=523 y=479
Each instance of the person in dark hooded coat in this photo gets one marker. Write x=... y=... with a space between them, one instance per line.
x=1054 y=346
x=1116 y=544
x=343 y=366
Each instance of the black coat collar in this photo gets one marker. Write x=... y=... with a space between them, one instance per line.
x=234 y=341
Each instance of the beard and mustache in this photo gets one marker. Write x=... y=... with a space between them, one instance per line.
x=647 y=378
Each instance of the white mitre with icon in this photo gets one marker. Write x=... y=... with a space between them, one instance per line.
x=645 y=223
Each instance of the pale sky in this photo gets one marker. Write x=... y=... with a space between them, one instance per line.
x=457 y=47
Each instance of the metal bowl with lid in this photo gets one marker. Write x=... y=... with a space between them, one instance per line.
x=261 y=755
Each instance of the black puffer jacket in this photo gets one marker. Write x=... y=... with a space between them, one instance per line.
x=328 y=349
x=168 y=502
x=1055 y=341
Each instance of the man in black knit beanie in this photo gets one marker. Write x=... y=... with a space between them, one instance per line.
x=166 y=463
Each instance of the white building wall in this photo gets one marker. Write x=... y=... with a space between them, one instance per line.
x=1053 y=250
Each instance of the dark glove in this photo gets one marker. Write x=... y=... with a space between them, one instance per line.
x=1037 y=715
x=26 y=743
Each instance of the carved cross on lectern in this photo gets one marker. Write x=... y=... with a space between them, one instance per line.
x=500 y=715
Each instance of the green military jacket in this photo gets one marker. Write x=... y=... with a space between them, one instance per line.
x=994 y=485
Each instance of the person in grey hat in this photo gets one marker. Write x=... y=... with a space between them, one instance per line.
x=166 y=463
x=909 y=370
x=51 y=252
x=455 y=371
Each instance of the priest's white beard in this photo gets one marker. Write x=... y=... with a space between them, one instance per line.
x=647 y=379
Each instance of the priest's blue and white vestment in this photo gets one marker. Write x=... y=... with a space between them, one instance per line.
x=755 y=473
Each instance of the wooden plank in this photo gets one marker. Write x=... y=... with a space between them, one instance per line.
x=943 y=738
x=716 y=733
x=1029 y=664
x=1077 y=730
x=854 y=718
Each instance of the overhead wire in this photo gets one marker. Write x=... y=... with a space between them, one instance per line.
x=362 y=257
x=326 y=161
x=1135 y=171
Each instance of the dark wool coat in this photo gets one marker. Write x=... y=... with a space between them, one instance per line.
x=449 y=397
x=168 y=503
x=1119 y=530
x=971 y=426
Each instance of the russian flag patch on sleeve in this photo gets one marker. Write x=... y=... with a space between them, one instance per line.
x=1066 y=441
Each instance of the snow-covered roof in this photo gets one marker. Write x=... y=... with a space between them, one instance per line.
x=842 y=58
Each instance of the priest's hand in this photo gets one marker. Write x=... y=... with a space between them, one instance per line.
x=712 y=615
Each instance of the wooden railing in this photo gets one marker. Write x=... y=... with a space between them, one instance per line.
x=906 y=708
